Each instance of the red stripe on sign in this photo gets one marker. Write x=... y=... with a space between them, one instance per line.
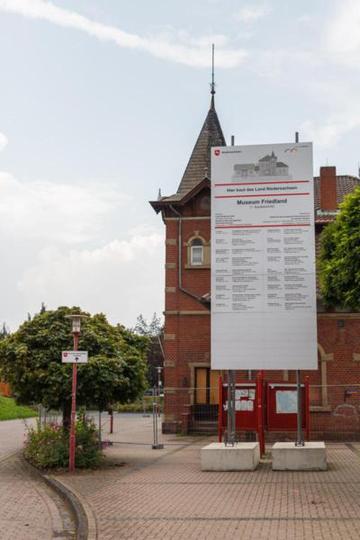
x=260 y=195
x=264 y=183
x=261 y=226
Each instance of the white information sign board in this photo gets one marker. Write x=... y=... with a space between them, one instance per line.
x=263 y=283
x=74 y=357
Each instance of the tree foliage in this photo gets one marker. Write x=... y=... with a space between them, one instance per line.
x=145 y=328
x=31 y=361
x=152 y=332
x=339 y=260
x=4 y=332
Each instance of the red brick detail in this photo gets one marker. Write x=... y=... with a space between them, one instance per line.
x=328 y=188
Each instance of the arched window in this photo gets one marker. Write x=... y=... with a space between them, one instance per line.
x=196 y=252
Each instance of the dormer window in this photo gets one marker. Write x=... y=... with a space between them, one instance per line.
x=197 y=252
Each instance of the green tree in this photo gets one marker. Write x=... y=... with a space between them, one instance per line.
x=4 y=332
x=152 y=331
x=339 y=259
x=31 y=362
x=145 y=328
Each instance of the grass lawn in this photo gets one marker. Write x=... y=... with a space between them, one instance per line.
x=10 y=411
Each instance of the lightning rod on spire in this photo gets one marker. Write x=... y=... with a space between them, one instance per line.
x=212 y=70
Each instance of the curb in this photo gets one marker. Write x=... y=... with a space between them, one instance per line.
x=82 y=528
x=81 y=519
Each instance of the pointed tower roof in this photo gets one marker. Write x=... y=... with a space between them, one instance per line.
x=199 y=165
x=198 y=170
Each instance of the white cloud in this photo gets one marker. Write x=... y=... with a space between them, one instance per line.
x=55 y=237
x=57 y=212
x=249 y=14
x=121 y=278
x=172 y=48
x=3 y=141
x=342 y=35
x=331 y=130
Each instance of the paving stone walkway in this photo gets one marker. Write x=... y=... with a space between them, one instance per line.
x=162 y=494
x=29 y=509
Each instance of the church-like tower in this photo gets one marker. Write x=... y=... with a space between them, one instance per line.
x=186 y=215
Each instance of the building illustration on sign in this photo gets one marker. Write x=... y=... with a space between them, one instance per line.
x=267 y=167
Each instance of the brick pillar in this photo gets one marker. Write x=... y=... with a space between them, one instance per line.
x=328 y=188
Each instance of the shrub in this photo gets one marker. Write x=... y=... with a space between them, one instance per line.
x=140 y=405
x=47 y=447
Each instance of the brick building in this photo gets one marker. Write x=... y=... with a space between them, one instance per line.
x=190 y=385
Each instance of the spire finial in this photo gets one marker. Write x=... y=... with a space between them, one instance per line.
x=212 y=75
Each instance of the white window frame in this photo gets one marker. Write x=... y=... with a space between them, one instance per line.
x=197 y=260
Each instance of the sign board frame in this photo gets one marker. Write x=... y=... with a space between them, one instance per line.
x=263 y=277
x=74 y=357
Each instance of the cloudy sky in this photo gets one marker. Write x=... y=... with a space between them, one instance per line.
x=101 y=103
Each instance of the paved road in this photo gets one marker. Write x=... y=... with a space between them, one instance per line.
x=29 y=509
x=158 y=494
x=12 y=435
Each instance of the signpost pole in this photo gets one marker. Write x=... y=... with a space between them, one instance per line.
x=307 y=408
x=73 y=408
x=74 y=358
x=230 y=436
x=220 y=413
x=299 y=437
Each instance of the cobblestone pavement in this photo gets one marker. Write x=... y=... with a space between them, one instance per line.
x=29 y=509
x=162 y=494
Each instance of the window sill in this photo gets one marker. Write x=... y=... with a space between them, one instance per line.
x=197 y=267
x=320 y=408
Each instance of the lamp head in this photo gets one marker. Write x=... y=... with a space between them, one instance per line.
x=76 y=322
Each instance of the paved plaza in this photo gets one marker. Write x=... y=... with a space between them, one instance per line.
x=160 y=494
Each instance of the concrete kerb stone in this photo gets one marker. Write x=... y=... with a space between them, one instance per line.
x=72 y=499
x=84 y=510
x=81 y=517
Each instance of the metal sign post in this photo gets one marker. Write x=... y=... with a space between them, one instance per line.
x=76 y=358
x=73 y=409
x=299 y=436
x=231 y=435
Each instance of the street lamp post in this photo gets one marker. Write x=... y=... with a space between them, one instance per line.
x=159 y=369
x=76 y=327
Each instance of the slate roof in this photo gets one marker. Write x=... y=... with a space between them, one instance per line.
x=199 y=164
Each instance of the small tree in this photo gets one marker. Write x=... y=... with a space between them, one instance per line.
x=4 y=332
x=152 y=331
x=339 y=260
x=31 y=362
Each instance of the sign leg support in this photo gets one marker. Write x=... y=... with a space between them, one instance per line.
x=231 y=435
x=299 y=435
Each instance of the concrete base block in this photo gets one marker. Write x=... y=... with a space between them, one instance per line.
x=288 y=457
x=241 y=457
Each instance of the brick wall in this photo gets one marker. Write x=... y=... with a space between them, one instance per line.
x=187 y=343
